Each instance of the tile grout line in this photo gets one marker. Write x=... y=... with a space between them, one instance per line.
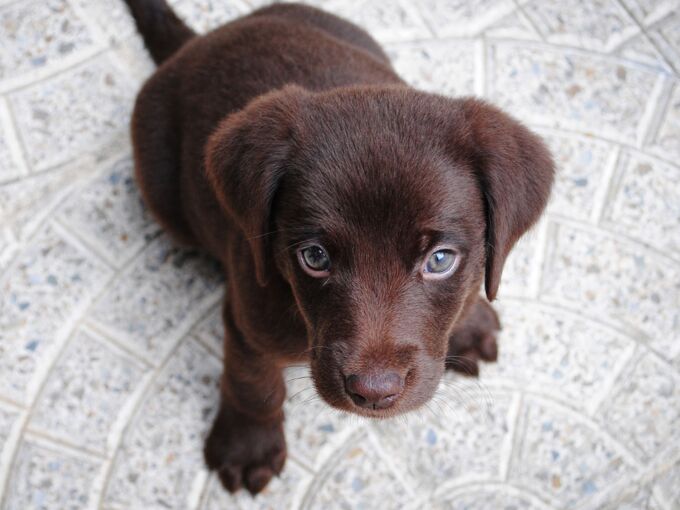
x=508 y=447
x=135 y=406
x=597 y=403
x=654 y=112
x=602 y=193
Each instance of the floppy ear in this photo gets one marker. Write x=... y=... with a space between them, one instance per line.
x=515 y=172
x=245 y=159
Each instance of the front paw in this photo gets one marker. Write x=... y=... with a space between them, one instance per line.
x=474 y=340
x=245 y=452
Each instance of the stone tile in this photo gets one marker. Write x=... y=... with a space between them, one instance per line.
x=517 y=272
x=563 y=458
x=598 y=25
x=644 y=204
x=11 y=164
x=513 y=26
x=26 y=202
x=387 y=20
x=460 y=434
x=85 y=392
x=357 y=478
x=442 y=67
x=282 y=492
x=205 y=15
x=160 y=458
x=45 y=289
x=210 y=331
x=38 y=34
x=550 y=352
x=640 y=49
x=667 y=140
x=44 y=478
x=108 y=212
x=642 y=412
x=461 y=18
x=648 y=11
x=476 y=498
x=580 y=163
x=312 y=426
x=669 y=485
x=159 y=295
x=614 y=280
x=73 y=112
x=112 y=20
x=560 y=88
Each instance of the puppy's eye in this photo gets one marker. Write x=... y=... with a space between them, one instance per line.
x=315 y=261
x=440 y=263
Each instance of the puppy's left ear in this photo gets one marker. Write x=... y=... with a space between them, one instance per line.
x=515 y=171
x=245 y=159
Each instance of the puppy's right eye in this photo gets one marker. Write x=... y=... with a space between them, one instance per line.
x=315 y=261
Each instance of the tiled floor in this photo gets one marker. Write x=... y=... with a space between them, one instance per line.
x=110 y=337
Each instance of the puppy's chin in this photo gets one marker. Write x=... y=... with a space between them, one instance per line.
x=418 y=389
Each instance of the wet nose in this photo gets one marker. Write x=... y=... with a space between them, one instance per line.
x=374 y=390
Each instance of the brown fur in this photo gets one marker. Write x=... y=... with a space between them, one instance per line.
x=290 y=125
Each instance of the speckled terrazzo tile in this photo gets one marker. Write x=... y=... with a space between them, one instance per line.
x=160 y=458
x=156 y=299
x=461 y=435
x=45 y=478
x=485 y=498
x=111 y=19
x=210 y=331
x=386 y=21
x=312 y=427
x=40 y=33
x=598 y=25
x=667 y=140
x=204 y=15
x=614 y=280
x=573 y=90
x=11 y=160
x=666 y=37
x=580 y=163
x=462 y=18
x=282 y=492
x=357 y=478
x=649 y=11
x=445 y=67
x=563 y=458
x=85 y=392
x=642 y=411
x=644 y=203
x=42 y=293
x=640 y=49
x=547 y=351
x=669 y=485
x=109 y=214
x=73 y=112
x=517 y=272
x=25 y=203
x=513 y=26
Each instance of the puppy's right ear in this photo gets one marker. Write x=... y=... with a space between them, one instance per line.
x=245 y=160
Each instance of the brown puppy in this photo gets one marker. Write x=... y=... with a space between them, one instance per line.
x=356 y=218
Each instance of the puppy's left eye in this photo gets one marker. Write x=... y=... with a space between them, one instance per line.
x=440 y=263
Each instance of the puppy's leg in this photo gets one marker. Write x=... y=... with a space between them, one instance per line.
x=246 y=445
x=474 y=339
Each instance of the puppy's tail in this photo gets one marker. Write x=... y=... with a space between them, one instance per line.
x=163 y=32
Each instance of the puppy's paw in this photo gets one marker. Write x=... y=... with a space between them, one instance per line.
x=474 y=340
x=244 y=452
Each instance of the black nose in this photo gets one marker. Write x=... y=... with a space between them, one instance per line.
x=374 y=390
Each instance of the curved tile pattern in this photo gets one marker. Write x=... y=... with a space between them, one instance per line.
x=111 y=337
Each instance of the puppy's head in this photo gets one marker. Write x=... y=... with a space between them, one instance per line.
x=387 y=209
